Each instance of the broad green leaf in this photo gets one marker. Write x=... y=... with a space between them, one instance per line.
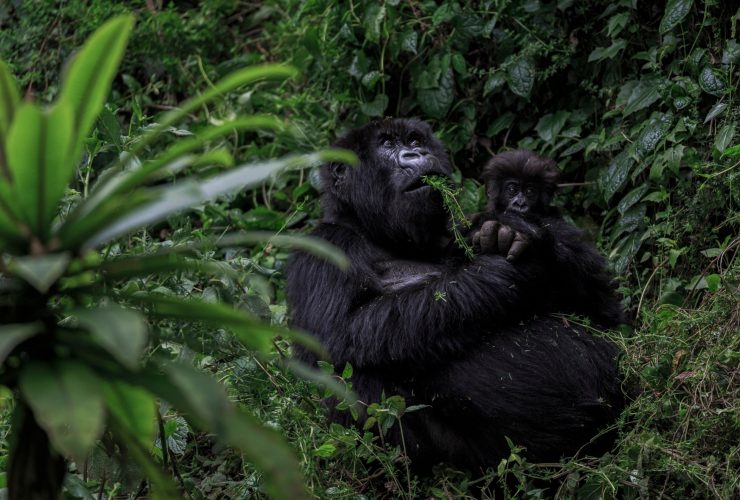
x=141 y=265
x=652 y=134
x=228 y=83
x=624 y=252
x=59 y=165
x=67 y=402
x=632 y=197
x=13 y=334
x=40 y=271
x=121 y=332
x=25 y=156
x=724 y=137
x=73 y=233
x=551 y=124
x=37 y=154
x=716 y=110
x=167 y=160
x=374 y=17
x=162 y=486
x=496 y=81
x=87 y=82
x=641 y=95
x=616 y=174
x=732 y=152
x=520 y=77
x=710 y=81
x=602 y=53
x=175 y=198
x=315 y=246
x=207 y=401
x=675 y=11
x=616 y=24
x=376 y=108
x=252 y=332
x=9 y=100
x=435 y=102
x=500 y=124
x=133 y=408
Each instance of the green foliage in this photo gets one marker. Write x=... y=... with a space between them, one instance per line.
x=637 y=102
x=72 y=347
x=457 y=217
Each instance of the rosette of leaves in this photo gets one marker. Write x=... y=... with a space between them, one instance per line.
x=71 y=349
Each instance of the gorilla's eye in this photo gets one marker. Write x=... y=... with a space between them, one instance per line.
x=511 y=189
x=386 y=142
x=529 y=192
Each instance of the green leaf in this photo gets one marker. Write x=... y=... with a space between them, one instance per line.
x=602 y=53
x=162 y=485
x=710 y=81
x=631 y=198
x=173 y=158
x=326 y=450
x=716 y=110
x=496 y=81
x=641 y=95
x=409 y=41
x=133 y=408
x=37 y=154
x=315 y=246
x=732 y=152
x=326 y=381
x=9 y=100
x=121 y=332
x=652 y=134
x=376 y=108
x=174 y=198
x=444 y=13
x=13 y=334
x=501 y=123
x=250 y=331
x=67 y=403
x=40 y=271
x=616 y=24
x=675 y=11
x=520 y=77
x=551 y=124
x=88 y=80
x=436 y=101
x=616 y=174
x=624 y=252
x=230 y=82
x=205 y=400
x=724 y=137
x=374 y=16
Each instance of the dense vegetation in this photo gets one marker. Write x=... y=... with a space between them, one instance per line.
x=636 y=102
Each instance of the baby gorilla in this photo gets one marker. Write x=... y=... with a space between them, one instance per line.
x=520 y=186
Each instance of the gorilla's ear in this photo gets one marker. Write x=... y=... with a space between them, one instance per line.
x=337 y=173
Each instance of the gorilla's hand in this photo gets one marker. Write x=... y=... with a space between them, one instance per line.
x=494 y=237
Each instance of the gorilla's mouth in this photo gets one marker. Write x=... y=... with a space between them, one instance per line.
x=417 y=185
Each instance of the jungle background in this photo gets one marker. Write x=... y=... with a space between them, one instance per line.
x=636 y=101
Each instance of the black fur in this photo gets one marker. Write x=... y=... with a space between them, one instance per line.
x=587 y=286
x=462 y=340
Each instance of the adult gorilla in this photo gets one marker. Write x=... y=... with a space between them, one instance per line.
x=415 y=319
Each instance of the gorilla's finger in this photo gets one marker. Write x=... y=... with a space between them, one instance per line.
x=505 y=237
x=518 y=246
x=489 y=236
x=475 y=241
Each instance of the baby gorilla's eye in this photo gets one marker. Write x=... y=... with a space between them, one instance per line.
x=529 y=192
x=511 y=189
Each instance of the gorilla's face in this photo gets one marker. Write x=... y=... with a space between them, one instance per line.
x=386 y=193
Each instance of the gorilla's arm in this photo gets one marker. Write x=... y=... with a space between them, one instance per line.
x=584 y=283
x=358 y=322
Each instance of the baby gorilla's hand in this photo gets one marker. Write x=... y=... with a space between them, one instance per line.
x=494 y=237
